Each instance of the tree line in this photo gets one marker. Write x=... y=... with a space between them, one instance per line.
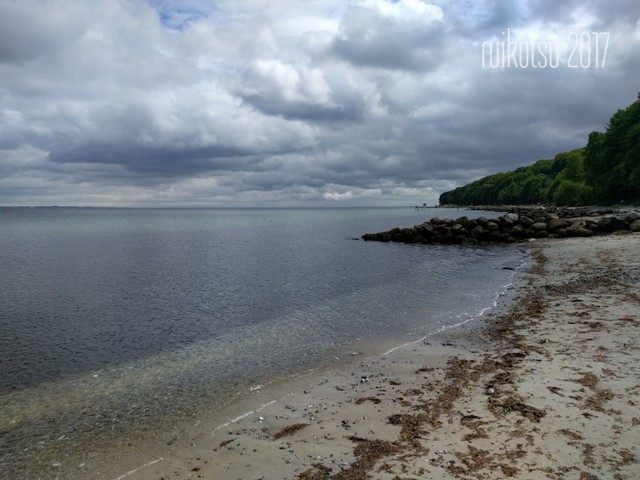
x=605 y=171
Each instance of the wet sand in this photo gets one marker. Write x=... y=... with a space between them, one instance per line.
x=549 y=388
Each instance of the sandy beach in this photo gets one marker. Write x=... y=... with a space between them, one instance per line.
x=547 y=388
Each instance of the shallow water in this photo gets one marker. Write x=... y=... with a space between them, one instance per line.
x=117 y=322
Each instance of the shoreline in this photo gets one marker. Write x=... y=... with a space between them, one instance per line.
x=549 y=390
x=119 y=446
x=271 y=394
x=123 y=463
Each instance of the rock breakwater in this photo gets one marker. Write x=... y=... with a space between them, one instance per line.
x=520 y=224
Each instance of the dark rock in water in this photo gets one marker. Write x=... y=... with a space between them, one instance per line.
x=518 y=225
x=464 y=221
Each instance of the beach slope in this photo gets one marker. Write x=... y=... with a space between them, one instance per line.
x=549 y=389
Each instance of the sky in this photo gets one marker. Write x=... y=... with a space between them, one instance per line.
x=298 y=103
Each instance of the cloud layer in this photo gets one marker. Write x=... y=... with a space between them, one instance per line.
x=372 y=102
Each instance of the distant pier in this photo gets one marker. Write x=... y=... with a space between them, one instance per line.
x=424 y=205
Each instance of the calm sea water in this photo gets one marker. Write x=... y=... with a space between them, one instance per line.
x=113 y=320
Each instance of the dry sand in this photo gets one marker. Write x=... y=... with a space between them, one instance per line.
x=563 y=363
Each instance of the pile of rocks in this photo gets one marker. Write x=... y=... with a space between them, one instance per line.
x=518 y=226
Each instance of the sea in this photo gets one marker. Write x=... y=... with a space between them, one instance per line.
x=121 y=326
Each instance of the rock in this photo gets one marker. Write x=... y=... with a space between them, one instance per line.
x=520 y=233
x=526 y=221
x=555 y=224
x=492 y=226
x=477 y=232
x=464 y=221
x=425 y=230
x=632 y=217
x=591 y=224
x=539 y=226
x=577 y=229
x=519 y=225
x=612 y=224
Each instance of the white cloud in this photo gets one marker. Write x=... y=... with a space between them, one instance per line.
x=408 y=11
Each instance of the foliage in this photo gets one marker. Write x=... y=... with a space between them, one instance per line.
x=612 y=158
x=558 y=181
x=606 y=171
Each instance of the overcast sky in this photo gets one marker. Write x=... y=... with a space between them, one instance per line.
x=298 y=103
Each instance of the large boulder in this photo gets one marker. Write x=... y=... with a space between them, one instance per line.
x=464 y=221
x=578 y=229
x=519 y=233
x=525 y=221
x=482 y=221
x=539 y=226
x=477 y=232
x=632 y=217
x=612 y=224
x=635 y=226
x=556 y=224
x=506 y=223
x=492 y=226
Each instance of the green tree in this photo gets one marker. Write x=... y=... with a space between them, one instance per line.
x=612 y=159
x=606 y=171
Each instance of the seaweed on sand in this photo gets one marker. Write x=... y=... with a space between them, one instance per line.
x=290 y=430
x=514 y=403
x=367 y=453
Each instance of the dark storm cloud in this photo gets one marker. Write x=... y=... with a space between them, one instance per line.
x=165 y=102
x=19 y=43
